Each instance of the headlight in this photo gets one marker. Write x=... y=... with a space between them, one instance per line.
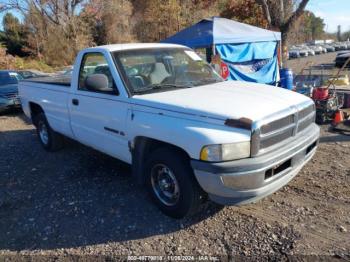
x=225 y=152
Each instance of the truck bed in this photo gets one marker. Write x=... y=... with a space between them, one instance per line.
x=53 y=80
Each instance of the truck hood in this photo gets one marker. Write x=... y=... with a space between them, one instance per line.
x=230 y=99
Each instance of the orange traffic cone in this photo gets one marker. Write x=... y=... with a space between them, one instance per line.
x=338 y=117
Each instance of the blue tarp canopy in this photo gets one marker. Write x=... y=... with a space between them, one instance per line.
x=250 y=52
x=217 y=30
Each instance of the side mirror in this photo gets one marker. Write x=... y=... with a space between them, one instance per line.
x=97 y=83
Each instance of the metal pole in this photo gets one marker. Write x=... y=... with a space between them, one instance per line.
x=281 y=55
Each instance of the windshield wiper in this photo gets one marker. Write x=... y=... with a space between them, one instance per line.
x=158 y=87
x=208 y=81
x=205 y=81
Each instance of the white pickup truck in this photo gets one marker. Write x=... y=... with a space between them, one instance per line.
x=187 y=133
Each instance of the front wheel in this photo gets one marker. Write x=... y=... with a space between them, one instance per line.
x=171 y=183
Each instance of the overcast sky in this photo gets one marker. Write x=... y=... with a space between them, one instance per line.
x=334 y=13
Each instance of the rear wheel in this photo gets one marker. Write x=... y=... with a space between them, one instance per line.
x=49 y=139
x=171 y=183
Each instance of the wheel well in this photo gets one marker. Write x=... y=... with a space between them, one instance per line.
x=143 y=147
x=35 y=109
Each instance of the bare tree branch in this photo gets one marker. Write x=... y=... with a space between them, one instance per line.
x=283 y=15
x=266 y=11
x=294 y=17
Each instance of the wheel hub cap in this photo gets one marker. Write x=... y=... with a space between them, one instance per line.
x=43 y=133
x=165 y=184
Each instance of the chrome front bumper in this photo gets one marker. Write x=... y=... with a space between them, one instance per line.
x=248 y=180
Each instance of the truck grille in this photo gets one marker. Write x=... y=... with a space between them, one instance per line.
x=275 y=125
x=270 y=133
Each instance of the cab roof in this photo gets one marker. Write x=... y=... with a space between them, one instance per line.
x=119 y=47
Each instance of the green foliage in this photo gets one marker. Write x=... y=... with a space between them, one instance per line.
x=313 y=25
x=346 y=36
x=2 y=37
x=14 y=35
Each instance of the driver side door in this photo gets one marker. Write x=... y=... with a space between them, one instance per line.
x=98 y=118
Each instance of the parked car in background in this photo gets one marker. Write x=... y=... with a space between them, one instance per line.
x=187 y=134
x=26 y=74
x=9 y=90
x=318 y=49
x=310 y=51
x=336 y=47
x=341 y=59
x=68 y=72
x=294 y=53
x=329 y=48
x=303 y=52
x=342 y=52
x=347 y=45
x=340 y=46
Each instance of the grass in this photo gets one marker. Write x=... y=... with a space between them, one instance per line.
x=28 y=63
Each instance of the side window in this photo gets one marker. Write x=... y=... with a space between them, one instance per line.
x=95 y=63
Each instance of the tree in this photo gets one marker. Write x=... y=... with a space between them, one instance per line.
x=56 y=31
x=193 y=11
x=282 y=15
x=346 y=36
x=2 y=37
x=109 y=20
x=245 y=11
x=157 y=19
x=6 y=61
x=339 y=34
x=13 y=35
x=313 y=25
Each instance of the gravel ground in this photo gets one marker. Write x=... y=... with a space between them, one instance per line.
x=80 y=202
x=298 y=64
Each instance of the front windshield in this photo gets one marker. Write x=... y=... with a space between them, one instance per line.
x=157 y=70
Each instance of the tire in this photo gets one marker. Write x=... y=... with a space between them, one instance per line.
x=49 y=139
x=168 y=163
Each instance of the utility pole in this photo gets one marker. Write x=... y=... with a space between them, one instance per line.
x=339 y=33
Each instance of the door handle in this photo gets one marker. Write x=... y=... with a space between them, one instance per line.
x=75 y=101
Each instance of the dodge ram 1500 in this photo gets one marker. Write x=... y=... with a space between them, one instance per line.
x=187 y=134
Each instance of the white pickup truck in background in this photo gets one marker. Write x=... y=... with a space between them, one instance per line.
x=187 y=133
